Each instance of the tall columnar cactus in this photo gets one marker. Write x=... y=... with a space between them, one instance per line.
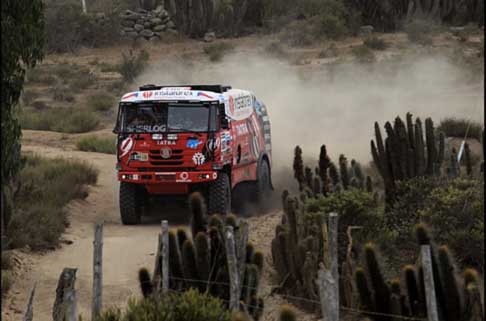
x=324 y=162
x=299 y=167
x=343 y=170
x=405 y=154
x=467 y=159
x=455 y=302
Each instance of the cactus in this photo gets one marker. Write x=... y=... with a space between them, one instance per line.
x=258 y=260
x=369 y=184
x=197 y=207
x=452 y=305
x=175 y=262
x=467 y=159
x=414 y=294
x=381 y=292
x=287 y=313
x=181 y=236
x=202 y=257
x=309 y=179
x=343 y=170
x=365 y=295
x=299 y=167
x=324 y=162
x=145 y=282
x=333 y=174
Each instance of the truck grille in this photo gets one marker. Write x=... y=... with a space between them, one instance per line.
x=176 y=158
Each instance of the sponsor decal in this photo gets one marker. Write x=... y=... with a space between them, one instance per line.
x=147 y=94
x=213 y=144
x=204 y=95
x=193 y=143
x=166 y=142
x=130 y=95
x=241 y=129
x=146 y=128
x=231 y=105
x=198 y=158
x=171 y=92
x=126 y=146
x=166 y=152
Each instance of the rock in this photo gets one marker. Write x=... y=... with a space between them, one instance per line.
x=209 y=37
x=170 y=25
x=142 y=11
x=159 y=9
x=165 y=19
x=126 y=29
x=147 y=33
x=147 y=24
x=365 y=30
x=127 y=23
x=140 y=21
x=132 y=34
x=456 y=29
x=128 y=14
x=153 y=39
x=138 y=27
x=159 y=28
x=156 y=21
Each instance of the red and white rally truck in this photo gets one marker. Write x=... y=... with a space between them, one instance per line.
x=174 y=140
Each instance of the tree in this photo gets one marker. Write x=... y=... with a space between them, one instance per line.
x=23 y=39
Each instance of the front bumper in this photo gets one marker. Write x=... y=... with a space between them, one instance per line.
x=167 y=177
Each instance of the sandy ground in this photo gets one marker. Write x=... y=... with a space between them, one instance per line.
x=125 y=250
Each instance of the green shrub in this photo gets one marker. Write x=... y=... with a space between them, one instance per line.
x=216 y=51
x=355 y=208
x=101 y=102
x=105 y=67
x=133 y=65
x=97 y=144
x=457 y=127
x=276 y=49
x=375 y=43
x=420 y=31
x=62 y=93
x=332 y=26
x=452 y=208
x=363 y=54
x=80 y=83
x=40 y=75
x=46 y=186
x=68 y=28
x=62 y=120
x=188 y=306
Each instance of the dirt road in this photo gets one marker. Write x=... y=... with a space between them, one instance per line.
x=125 y=250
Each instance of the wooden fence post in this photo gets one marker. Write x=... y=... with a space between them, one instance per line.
x=64 y=308
x=232 y=268
x=333 y=250
x=165 y=257
x=430 y=298
x=328 y=295
x=96 y=304
x=29 y=312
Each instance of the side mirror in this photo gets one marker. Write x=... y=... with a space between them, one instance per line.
x=224 y=121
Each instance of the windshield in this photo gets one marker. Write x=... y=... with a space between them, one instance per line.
x=163 y=117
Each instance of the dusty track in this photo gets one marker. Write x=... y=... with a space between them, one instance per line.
x=125 y=249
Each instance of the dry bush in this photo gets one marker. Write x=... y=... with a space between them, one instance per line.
x=46 y=187
x=100 y=102
x=363 y=54
x=62 y=120
x=97 y=144
x=457 y=127
x=375 y=43
x=216 y=51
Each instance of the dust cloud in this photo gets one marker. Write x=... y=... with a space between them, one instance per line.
x=336 y=104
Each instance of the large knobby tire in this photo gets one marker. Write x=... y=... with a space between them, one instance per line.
x=130 y=203
x=263 y=186
x=219 y=195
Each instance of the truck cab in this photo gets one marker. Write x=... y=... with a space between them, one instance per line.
x=175 y=140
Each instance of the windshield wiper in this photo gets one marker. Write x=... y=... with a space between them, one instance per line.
x=186 y=130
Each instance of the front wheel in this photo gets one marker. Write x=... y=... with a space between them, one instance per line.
x=219 y=195
x=263 y=187
x=130 y=203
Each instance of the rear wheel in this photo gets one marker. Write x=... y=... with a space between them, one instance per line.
x=130 y=203
x=220 y=195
